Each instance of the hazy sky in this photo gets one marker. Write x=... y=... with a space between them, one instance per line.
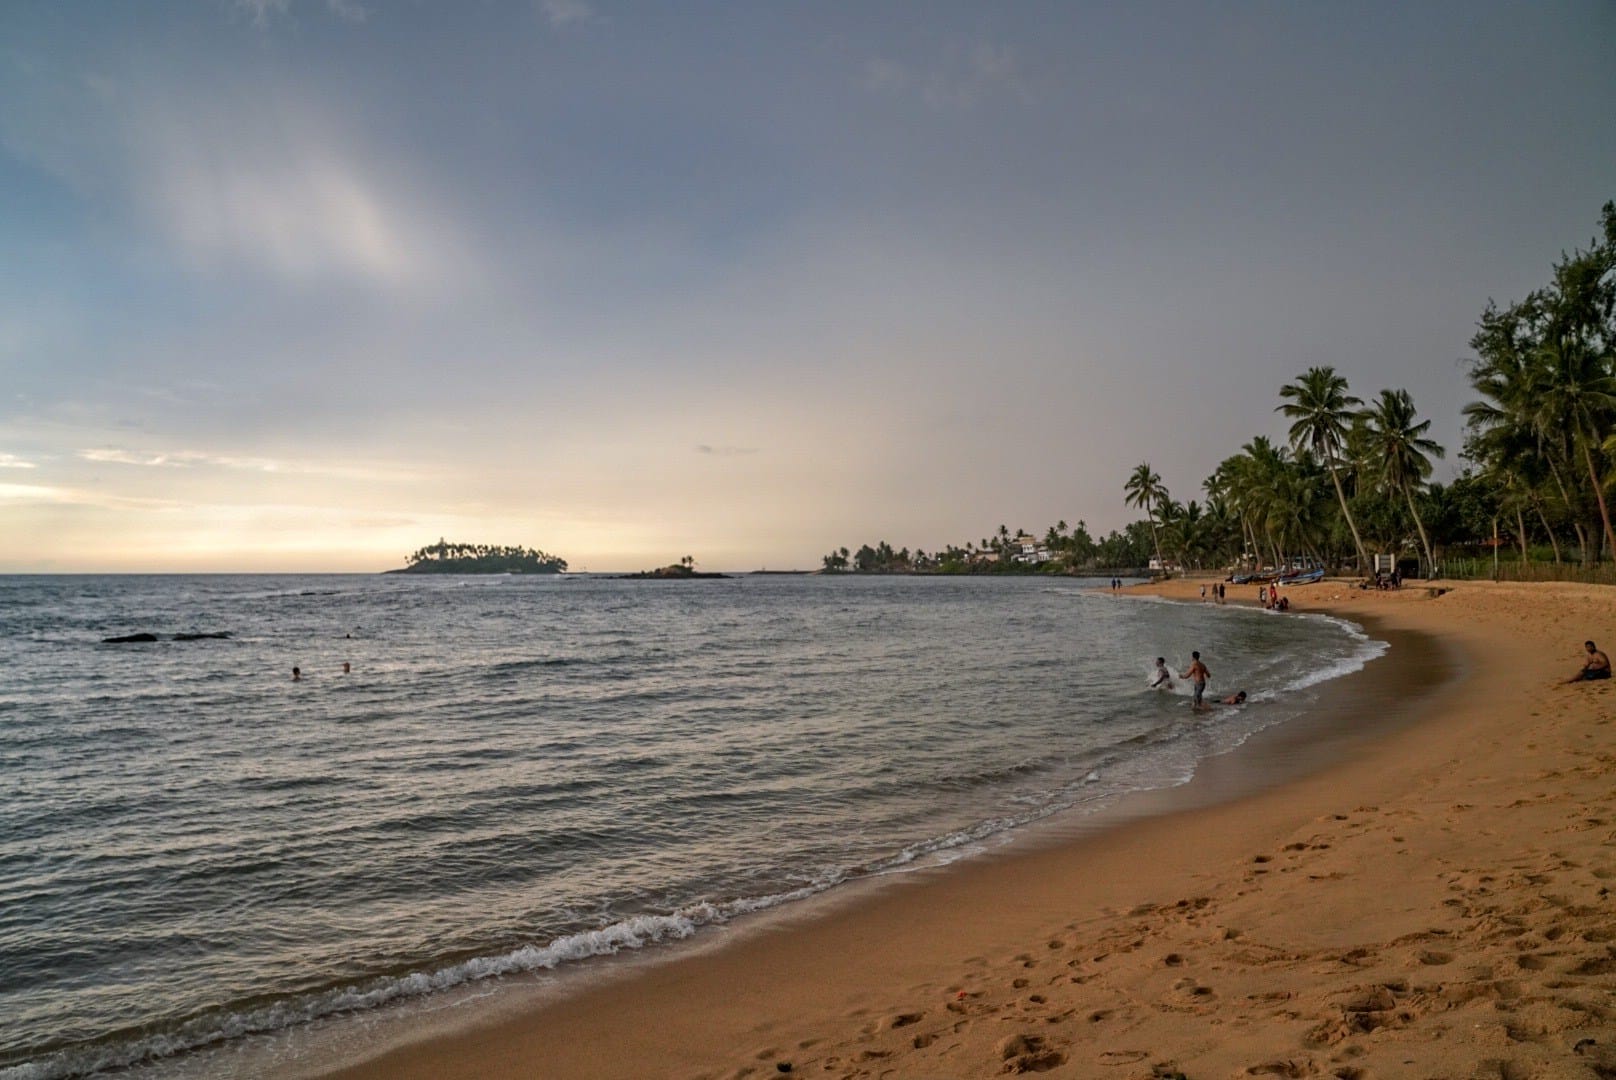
x=306 y=284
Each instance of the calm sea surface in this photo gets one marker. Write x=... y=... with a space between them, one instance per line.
x=520 y=773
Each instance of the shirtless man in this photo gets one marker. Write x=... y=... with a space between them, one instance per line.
x=1236 y=698
x=1597 y=667
x=1197 y=675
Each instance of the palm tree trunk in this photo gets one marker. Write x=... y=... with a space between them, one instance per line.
x=1599 y=494
x=1363 y=560
x=1425 y=542
x=1554 y=542
x=1520 y=529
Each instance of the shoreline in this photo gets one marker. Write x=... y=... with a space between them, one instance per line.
x=1383 y=902
x=1266 y=758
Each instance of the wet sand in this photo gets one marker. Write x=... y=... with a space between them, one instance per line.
x=1423 y=890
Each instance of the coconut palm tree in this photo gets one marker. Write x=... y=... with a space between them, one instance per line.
x=1400 y=451
x=1144 y=490
x=1577 y=394
x=1321 y=409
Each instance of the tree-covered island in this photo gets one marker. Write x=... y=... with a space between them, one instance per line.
x=449 y=558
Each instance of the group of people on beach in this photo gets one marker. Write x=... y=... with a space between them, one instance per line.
x=1199 y=675
x=1270 y=600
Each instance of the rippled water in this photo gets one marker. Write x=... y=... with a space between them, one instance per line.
x=520 y=772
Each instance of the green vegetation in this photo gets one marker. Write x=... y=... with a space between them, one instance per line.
x=446 y=558
x=1061 y=549
x=1540 y=453
x=1353 y=479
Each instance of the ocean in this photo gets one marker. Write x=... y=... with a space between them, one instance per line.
x=524 y=774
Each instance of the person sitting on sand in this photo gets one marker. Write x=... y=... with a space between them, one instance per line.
x=1164 y=677
x=1597 y=667
x=1236 y=698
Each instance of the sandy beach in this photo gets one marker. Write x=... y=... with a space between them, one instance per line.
x=1430 y=897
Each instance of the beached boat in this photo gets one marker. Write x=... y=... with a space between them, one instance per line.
x=1302 y=577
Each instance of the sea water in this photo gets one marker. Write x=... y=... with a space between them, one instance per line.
x=518 y=774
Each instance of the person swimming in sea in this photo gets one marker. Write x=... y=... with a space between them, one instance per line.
x=1236 y=698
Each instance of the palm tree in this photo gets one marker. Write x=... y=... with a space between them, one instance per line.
x=1578 y=395
x=1144 y=490
x=1399 y=447
x=1321 y=408
x=1509 y=434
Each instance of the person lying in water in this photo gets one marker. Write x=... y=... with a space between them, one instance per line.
x=1597 y=667
x=1236 y=698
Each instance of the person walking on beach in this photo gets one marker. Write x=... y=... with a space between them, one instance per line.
x=1198 y=676
x=1597 y=667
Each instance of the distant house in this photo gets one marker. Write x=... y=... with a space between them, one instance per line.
x=1029 y=549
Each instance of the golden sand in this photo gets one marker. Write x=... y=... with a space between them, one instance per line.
x=1435 y=904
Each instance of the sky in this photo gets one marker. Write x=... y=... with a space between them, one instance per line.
x=304 y=285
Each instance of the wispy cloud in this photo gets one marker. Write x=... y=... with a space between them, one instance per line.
x=298 y=210
x=56 y=495
x=959 y=76
x=12 y=461
x=568 y=12
x=187 y=459
x=725 y=451
x=262 y=11
x=233 y=177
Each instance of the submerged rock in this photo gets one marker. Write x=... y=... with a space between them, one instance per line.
x=221 y=634
x=128 y=639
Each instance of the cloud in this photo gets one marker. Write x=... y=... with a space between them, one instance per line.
x=959 y=76
x=262 y=11
x=67 y=496
x=185 y=459
x=725 y=451
x=12 y=461
x=236 y=175
x=562 y=13
x=301 y=211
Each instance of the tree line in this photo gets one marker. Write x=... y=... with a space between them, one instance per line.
x=1060 y=548
x=1352 y=477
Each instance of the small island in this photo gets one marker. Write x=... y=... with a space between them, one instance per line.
x=683 y=570
x=450 y=558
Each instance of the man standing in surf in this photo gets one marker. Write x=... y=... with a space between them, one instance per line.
x=1197 y=675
